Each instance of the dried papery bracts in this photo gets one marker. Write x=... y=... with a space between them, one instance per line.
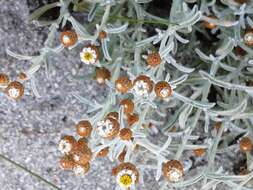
x=210 y=25
x=108 y=128
x=123 y=84
x=128 y=105
x=248 y=37
x=154 y=59
x=143 y=85
x=15 y=90
x=102 y=74
x=66 y=144
x=246 y=144
x=173 y=170
x=68 y=38
x=84 y=128
x=163 y=89
x=4 y=80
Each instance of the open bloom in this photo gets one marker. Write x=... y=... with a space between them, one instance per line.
x=173 y=170
x=89 y=55
x=127 y=175
x=15 y=90
x=143 y=85
x=108 y=128
x=66 y=144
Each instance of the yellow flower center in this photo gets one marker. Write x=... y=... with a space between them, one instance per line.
x=126 y=180
x=88 y=56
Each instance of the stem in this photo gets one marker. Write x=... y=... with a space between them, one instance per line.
x=29 y=171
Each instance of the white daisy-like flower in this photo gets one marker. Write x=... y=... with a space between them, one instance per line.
x=126 y=178
x=89 y=55
x=64 y=146
x=104 y=127
x=141 y=88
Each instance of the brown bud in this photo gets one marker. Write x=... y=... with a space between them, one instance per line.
x=154 y=59
x=84 y=128
x=125 y=134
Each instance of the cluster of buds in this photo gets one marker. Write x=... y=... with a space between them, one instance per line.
x=143 y=86
x=13 y=89
x=77 y=154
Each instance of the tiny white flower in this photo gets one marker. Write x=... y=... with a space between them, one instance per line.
x=89 y=55
x=104 y=127
x=126 y=178
x=141 y=88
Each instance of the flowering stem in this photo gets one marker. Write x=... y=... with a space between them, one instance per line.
x=29 y=171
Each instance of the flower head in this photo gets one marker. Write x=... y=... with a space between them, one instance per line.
x=248 y=37
x=15 y=90
x=66 y=144
x=68 y=38
x=163 y=89
x=123 y=84
x=246 y=144
x=84 y=128
x=102 y=74
x=154 y=59
x=108 y=128
x=143 y=85
x=89 y=55
x=172 y=170
x=127 y=174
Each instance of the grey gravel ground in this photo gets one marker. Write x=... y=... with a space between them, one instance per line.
x=31 y=128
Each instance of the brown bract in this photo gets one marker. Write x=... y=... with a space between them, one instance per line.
x=15 y=90
x=245 y=144
x=83 y=156
x=68 y=38
x=113 y=115
x=128 y=105
x=146 y=80
x=122 y=155
x=132 y=119
x=125 y=134
x=67 y=162
x=22 y=76
x=154 y=59
x=4 y=79
x=199 y=152
x=248 y=37
x=210 y=25
x=123 y=84
x=103 y=152
x=102 y=35
x=163 y=89
x=241 y=1
x=127 y=166
x=84 y=128
x=102 y=74
x=173 y=170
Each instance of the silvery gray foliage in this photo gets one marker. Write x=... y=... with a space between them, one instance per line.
x=188 y=64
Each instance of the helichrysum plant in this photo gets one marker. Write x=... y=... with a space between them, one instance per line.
x=184 y=79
